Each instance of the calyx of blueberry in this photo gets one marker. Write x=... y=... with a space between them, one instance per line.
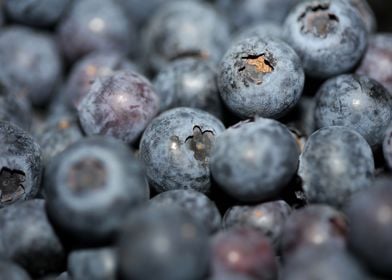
x=11 y=184
x=200 y=143
x=87 y=174
x=254 y=65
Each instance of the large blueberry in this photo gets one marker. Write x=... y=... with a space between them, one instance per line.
x=32 y=69
x=91 y=186
x=176 y=149
x=119 y=105
x=328 y=35
x=196 y=203
x=336 y=162
x=189 y=82
x=259 y=76
x=20 y=163
x=253 y=161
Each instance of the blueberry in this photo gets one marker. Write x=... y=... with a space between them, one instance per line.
x=197 y=204
x=97 y=264
x=91 y=186
x=323 y=263
x=36 y=12
x=268 y=218
x=335 y=163
x=328 y=35
x=243 y=252
x=249 y=12
x=185 y=29
x=57 y=135
x=20 y=162
x=12 y=271
x=262 y=30
x=94 y=66
x=313 y=226
x=176 y=147
x=370 y=216
x=28 y=239
x=32 y=69
x=357 y=102
x=163 y=243
x=253 y=161
x=15 y=109
x=189 y=82
x=119 y=105
x=95 y=25
x=377 y=62
x=261 y=77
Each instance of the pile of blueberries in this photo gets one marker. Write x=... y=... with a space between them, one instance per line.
x=195 y=140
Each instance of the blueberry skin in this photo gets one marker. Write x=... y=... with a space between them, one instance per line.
x=185 y=29
x=97 y=65
x=336 y=162
x=120 y=105
x=262 y=30
x=94 y=183
x=176 y=147
x=32 y=69
x=20 y=162
x=12 y=271
x=249 y=12
x=323 y=263
x=387 y=146
x=97 y=264
x=95 y=25
x=366 y=14
x=189 y=82
x=357 y=102
x=267 y=218
x=38 y=13
x=377 y=61
x=197 y=204
x=15 y=109
x=313 y=226
x=163 y=243
x=259 y=76
x=28 y=238
x=372 y=243
x=328 y=35
x=243 y=252
x=57 y=134
x=253 y=161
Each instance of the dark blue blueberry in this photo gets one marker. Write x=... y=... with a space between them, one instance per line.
x=91 y=186
x=15 y=109
x=95 y=25
x=197 y=204
x=268 y=218
x=176 y=148
x=182 y=29
x=32 y=69
x=254 y=161
x=20 y=165
x=36 y=12
x=165 y=243
x=313 y=226
x=97 y=65
x=249 y=12
x=357 y=102
x=94 y=264
x=377 y=62
x=12 y=271
x=323 y=263
x=57 y=134
x=263 y=29
x=119 y=105
x=328 y=35
x=243 y=252
x=259 y=76
x=336 y=162
x=27 y=238
x=189 y=82
x=369 y=214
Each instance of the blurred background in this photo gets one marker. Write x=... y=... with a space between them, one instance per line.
x=383 y=9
